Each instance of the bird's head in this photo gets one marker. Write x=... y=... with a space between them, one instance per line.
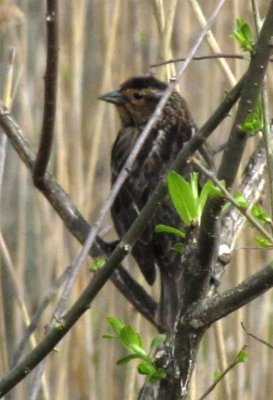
x=136 y=99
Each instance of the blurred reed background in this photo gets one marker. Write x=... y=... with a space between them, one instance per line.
x=102 y=43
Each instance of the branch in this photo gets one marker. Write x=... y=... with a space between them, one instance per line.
x=37 y=314
x=256 y=337
x=233 y=221
x=218 y=306
x=45 y=145
x=204 y=57
x=46 y=140
x=223 y=374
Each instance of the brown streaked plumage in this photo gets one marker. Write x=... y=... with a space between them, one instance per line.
x=135 y=100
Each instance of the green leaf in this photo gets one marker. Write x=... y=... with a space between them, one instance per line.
x=116 y=324
x=169 y=229
x=131 y=340
x=242 y=356
x=243 y=35
x=59 y=326
x=154 y=374
x=157 y=375
x=56 y=350
x=97 y=263
x=182 y=197
x=194 y=185
x=241 y=200
x=146 y=368
x=259 y=212
x=262 y=241
x=254 y=122
x=179 y=247
x=126 y=359
x=217 y=375
x=157 y=341
x=208 y=190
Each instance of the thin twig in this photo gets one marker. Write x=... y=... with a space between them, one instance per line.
x=223 y=374
x=7 y=100
x=256 y=337
x=165 y=14
x=46 y=141
x=233 y=201
x=221 y=351
x=211 y=41
x=37 y=315
x=204 y=57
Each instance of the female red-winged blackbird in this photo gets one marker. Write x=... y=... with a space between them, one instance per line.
x=135 y=101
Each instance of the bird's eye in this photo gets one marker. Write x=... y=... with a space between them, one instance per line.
x=138 y=96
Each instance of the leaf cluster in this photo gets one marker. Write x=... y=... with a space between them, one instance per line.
x=241 y=357
x=97 y=263
x=254 y=121
x=242 y=33
x=259 y=213
x=263 y=217
x=188 y=201
x=131 y=340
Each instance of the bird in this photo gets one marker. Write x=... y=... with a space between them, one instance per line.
x=135 y=101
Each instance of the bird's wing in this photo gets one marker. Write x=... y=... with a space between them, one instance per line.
x=129 y=203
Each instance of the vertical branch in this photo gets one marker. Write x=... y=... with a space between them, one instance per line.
x=45 y=145
x=44 y=150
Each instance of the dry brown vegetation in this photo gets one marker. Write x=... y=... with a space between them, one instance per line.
x=103 y=42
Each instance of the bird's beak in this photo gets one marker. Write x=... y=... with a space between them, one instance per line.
x=114 y=97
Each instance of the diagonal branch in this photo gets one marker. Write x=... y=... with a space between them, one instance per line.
x=218 y=306
x=233 y=221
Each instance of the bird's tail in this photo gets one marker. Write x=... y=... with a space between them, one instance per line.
x=145 y=261
x=169 y=299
